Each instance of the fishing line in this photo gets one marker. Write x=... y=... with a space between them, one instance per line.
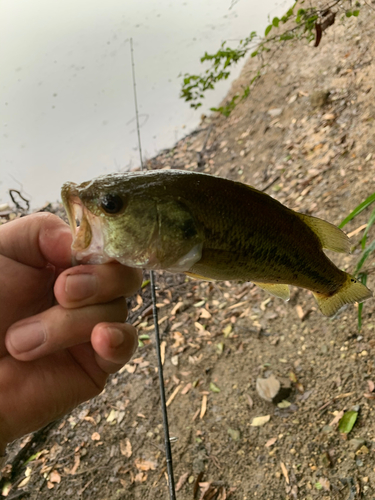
x=167 y=441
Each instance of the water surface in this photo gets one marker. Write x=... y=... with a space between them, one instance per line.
x=66 y=94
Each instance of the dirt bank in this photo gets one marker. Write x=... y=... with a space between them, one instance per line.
x=306 y=135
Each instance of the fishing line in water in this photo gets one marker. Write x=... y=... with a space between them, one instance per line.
x=167 y=440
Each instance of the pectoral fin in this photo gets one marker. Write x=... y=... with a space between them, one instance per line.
x=198 y=277
x=281 y=291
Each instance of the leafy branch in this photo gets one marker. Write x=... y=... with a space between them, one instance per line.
x=303 y=23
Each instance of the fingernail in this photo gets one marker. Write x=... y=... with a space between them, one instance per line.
x=116 y=337
x=80 y=286
x=27 y=337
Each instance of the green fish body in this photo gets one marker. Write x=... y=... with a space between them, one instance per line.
x=211 y=228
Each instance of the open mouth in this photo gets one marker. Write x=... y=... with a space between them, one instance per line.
x=87 y=246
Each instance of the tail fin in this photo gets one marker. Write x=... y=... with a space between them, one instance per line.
x=351 y=291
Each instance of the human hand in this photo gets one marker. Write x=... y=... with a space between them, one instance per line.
x=62 y=329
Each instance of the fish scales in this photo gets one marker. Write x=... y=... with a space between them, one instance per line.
x=211 y=228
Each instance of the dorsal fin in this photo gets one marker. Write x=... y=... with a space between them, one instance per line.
x=330 y=236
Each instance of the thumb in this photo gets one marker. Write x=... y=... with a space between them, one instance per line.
x=36 y=240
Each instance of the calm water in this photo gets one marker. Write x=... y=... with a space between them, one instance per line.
x=66 y=95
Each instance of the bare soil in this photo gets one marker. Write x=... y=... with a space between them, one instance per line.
x=305 y=135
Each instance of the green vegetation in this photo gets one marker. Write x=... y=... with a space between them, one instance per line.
x=300 y=22
x=366 y=250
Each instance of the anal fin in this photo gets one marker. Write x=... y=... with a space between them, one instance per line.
x=280 y=291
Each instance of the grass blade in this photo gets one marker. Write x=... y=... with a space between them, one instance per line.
x=364 y=257
x=363 y=279
x=362 y=206
x=369 y=224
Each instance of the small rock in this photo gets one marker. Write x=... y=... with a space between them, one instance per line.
x=275 y=112
x=319 y=98
x=234 y=434
x=356 y=444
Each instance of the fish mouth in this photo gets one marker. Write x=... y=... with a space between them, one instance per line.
x=88 y=244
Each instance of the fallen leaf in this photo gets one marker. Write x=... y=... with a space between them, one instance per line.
x=95 y=436
x=55 y=477
x=144 y=465
x=204 y=313
x=336 y=420
x=187 y=388
x=371 y=386
x=300 y=312
x=203 y=407
x=259 y=421
x=271 y=442
x=214 y=388
x=285 y=472
x=267 y=388
x=140 y=477
x=182 y=480
x=176 y=308
x=163 y=345
x=126 y=448
x=173 y=395
x=347 y=421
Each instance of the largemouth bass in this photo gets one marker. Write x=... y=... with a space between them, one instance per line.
x=209 y=228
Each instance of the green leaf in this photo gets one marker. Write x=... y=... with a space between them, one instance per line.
x=214 y=388
x=364 y=257
x=347 y=421
x=356 y=13
x=275 y=22
x=369 y=224
x=318 y=486
x=255 y=53
x=145 y=283
x=358 y=210
x=268 y=29
x=363 y=279
x=348 y=13
x=144 y=337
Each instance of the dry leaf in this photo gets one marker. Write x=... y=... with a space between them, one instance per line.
x=259 y=421
x=271 y=442
x=140 y=477
x=126 y=448
x=24 y=482
x=182 y=481
x=173 y=395
x=204 y=313
x=163 y=345
x=203 y=407
x=176 y=308
x=49 y=485
x=300 y=312
x=174 y=360
x=285 y=472
x=250 y=401
x=55 y=477
x=267 y=388
x=338 y=417
x=95 y=436
x=371 y=386
x=77 y=461
x=144 y=465
x=187 y=388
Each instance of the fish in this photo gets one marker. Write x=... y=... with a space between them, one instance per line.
x=209 y=228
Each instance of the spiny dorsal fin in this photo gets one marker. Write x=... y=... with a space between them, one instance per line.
x=330 y=236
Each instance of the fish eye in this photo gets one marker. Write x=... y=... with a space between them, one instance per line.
x=112 y=204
